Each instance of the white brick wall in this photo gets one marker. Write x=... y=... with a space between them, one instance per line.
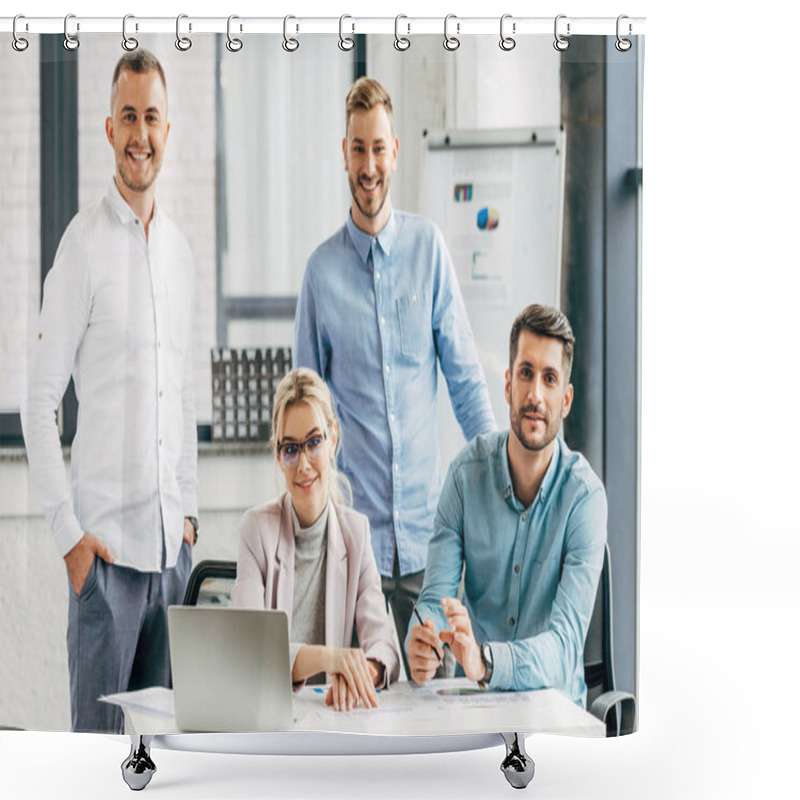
x=19 y=216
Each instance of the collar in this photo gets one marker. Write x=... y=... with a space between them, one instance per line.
x=362 y=241
x=505 y=471
x=119 y=205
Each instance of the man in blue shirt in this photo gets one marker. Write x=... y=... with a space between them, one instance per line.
x=379 y=307
x=526 y=518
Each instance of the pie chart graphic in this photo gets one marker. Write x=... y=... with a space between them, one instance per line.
x=488 y=218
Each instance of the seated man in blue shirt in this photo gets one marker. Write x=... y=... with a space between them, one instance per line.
x=526 y=518
x=379 y=311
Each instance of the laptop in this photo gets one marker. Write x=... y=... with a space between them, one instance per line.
x=230 y=669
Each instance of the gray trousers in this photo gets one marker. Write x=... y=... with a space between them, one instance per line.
x=117 y=637
x=402 y=592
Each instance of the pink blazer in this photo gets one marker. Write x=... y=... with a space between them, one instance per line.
x=353 y=596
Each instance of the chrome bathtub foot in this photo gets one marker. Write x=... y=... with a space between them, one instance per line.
x=517 y=766
x=138 y=768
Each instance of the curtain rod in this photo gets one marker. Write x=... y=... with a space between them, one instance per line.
x=402 y=25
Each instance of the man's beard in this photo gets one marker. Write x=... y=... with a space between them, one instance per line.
x=380 y=200
x=530 y=443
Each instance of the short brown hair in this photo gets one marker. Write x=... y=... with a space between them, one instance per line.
x=139 y=61
x=543 y=321
x=366 y=93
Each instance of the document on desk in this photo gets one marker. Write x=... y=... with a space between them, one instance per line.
x=156 y=700
x=311 y=712
x=443 y=707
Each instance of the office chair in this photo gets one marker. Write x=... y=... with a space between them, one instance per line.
x=211 y=583
x=616 y=709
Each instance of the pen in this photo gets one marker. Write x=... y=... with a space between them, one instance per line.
x=416 y=614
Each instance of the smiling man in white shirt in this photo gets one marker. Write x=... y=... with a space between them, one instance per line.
x=116 y=316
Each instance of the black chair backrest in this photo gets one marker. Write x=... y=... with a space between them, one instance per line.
x=598 y=652
x=223 y=571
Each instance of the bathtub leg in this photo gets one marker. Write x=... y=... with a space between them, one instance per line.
x=517 y=766
x=138 y=768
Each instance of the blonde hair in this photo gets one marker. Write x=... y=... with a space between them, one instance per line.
x=366 y=93
x=303 y=385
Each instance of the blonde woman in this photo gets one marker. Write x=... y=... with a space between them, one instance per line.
x=310 y=555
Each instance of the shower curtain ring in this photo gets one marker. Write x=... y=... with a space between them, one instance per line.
x=401 y=42
x=451 y=43
x=345 y=42
x=560 y=43
x=183 y=43
x=128 y=42
x=290 y=44
x=233 y=44
x=19 y=43
x=507 y=42
x=623 y=45
x=70 y=42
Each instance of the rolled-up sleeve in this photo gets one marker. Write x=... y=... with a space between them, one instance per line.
x=554 y=656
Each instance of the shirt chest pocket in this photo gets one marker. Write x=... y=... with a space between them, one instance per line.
x=414 y=318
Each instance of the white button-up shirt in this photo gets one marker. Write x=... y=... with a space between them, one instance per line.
x=116 y=315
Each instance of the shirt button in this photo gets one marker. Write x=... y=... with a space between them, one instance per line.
x=524 y=517
x=383 y=320
x=136 y=222
x=516 y=568
x=511 y=621
x=377 y=276
x=397 y=515
x=159 y=343
x=391 y=417
x=387 y=369
x=161 y=394
x=159 y=442
x=396 y=467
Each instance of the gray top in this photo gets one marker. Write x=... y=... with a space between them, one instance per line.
x=310 y=559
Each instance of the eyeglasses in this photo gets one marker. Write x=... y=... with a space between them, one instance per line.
x=289 y=452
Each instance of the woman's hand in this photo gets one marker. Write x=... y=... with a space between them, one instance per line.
x=353 y=679
x=339 y=695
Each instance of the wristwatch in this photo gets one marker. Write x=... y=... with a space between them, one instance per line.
x=486 y=655
x=196 y=526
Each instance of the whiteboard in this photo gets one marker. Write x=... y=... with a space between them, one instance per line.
x=497 y=196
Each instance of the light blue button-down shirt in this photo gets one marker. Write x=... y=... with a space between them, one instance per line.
x=530 y=573
x=375 y=314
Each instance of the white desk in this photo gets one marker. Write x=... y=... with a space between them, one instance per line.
x=406 y=711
